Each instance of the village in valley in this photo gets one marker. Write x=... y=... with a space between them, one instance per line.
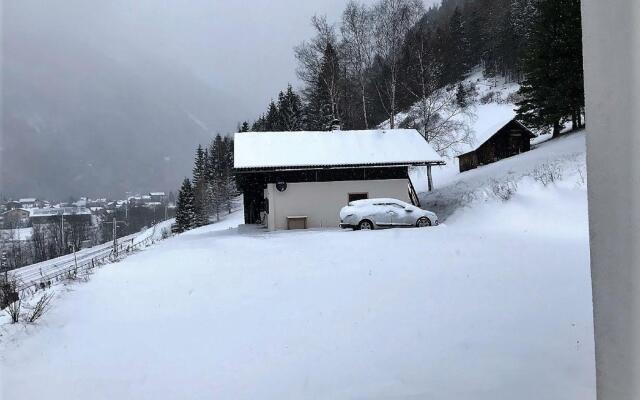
x=410 y=215
x=33 y=230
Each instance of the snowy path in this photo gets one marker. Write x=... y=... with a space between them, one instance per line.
x=494 y=305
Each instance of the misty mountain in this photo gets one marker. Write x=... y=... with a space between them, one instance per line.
x=78 y=119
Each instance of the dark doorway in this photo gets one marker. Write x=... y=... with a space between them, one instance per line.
x=358 y=196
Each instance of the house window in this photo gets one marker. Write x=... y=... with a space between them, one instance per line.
x=358 y=196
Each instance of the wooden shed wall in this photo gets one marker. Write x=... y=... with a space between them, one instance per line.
x=509 y=141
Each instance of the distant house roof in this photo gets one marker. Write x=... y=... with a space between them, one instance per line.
x=28 y=200
x=23 y=210
x=49 y=212
x=291 y=150
x=156 y=194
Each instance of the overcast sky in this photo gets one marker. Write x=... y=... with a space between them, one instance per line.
x=243 y=48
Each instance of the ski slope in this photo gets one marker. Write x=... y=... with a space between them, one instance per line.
x=494 y=304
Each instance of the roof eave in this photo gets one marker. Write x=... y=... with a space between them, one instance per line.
x=336 y=166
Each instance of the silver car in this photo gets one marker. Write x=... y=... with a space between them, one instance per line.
x=384 y=213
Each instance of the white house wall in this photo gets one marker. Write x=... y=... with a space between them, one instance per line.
x=321 y=202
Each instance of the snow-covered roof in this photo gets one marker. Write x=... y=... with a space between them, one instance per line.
x=265 y=150
x=48 y=212
x=24 y=210
x=28 y=200
x=156 y=194
x=489 y=119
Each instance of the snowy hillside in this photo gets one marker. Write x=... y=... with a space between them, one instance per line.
x=562 y=160
x=491 y=102
x=494 y=304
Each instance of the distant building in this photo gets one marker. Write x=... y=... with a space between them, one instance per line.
x=30 y=203
x=15 y=218
x=505 y=139
x=158 y=197
x=12 y=205
x=302 y=179
x=55 y=215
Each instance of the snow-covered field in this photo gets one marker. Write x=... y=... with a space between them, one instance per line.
x=494 y=304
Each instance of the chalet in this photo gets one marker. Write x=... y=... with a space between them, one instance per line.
x=504 y=139
x=296 y=180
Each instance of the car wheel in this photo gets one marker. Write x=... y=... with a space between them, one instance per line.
x=423 y=222
x=365 y=225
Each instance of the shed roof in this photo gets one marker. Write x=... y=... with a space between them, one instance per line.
x=286 y=150
x=489 y=122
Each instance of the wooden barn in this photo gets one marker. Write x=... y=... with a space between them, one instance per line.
x=507 y=138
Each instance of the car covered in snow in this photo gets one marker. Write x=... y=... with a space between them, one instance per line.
x=384 y=213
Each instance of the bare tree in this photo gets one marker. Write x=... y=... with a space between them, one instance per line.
x=39 y=243
x=393 y=21
x=310 y=53
x=439 y=113
x=40 y=308
x=358 y=46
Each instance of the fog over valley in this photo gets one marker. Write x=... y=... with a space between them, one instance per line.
x=102 y=98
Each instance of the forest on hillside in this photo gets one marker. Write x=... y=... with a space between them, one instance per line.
x=384 y=58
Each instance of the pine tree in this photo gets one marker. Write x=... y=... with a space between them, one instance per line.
x=290 y=110
x=244 y=127
x=199 y=165
x=553 y=89
x=216 y=178
x=201 y=187
x=458 y=61
x=230 y=190
x=260 y=124
x=462 y=96
x=322 y=97
x=201 y=202
x=272 y=120
x=185 y=214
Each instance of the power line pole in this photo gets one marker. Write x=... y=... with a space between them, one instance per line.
x=115 y=223
x=62 y=244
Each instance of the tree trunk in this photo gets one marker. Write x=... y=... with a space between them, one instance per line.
x=393 y=101
x=364 y=106
x=579 y=118
x=556 y=129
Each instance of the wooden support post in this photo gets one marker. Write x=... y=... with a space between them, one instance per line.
x=429 y=178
